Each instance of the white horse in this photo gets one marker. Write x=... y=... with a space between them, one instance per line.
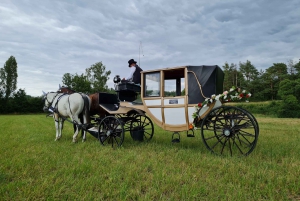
x=68 y=105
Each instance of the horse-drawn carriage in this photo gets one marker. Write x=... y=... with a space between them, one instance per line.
x=170 y=98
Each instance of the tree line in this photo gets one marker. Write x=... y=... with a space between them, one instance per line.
x=281 y=81
x=13 y=100
x=278 y=82
x=263 y=84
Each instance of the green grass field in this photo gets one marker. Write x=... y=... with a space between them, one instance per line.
x=35 y=167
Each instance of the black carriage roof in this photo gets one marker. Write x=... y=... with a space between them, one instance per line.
x=179 y=67
x=209 y=77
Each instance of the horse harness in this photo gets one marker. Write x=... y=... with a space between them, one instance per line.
x=51 y=108
x=55 y=109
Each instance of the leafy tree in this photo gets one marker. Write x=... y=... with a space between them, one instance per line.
x=289 y=87
x=20 y=102
x=94 y=79
x=98 y=77
x=291 y=67
x=67 y=80
x=232 y=77
x=297 y=68
x=35 y=104
x=77 y=82
x=227 y=76
x=289 y=107
x=272 y=77
x=8 y=78
x=183 y=92
x=248 y=70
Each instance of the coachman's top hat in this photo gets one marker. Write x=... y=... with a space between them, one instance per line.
x=131 y=61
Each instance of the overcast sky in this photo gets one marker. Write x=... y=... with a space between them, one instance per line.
x=49 y=38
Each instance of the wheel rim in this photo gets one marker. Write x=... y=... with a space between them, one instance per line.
x=111 y=132
x=229 y=131
x=142 y=123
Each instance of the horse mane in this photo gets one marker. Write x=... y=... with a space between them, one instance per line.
x=66 y=90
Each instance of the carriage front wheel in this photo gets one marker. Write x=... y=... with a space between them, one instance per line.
x=111 y=131
x=228 y=130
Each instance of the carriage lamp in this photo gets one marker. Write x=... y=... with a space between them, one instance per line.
x=117 y=79
x=191 y=127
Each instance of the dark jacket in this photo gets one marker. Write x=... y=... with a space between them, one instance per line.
x=137 y=75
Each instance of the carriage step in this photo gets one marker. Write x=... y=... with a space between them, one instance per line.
x=93 y=129
x=175 y=137
x=176 y=140
x=190 y=133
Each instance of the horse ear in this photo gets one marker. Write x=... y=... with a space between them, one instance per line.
x=44 y=93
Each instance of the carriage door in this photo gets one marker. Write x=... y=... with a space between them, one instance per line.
x=174 y=100
x=152 y=98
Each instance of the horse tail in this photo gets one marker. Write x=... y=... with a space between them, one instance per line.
x=86 y=109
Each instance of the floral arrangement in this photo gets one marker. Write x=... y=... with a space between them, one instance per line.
x=233 y=95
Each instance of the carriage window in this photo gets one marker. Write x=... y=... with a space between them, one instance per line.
x=152 y=84
x=174 y=87
x=174 y=82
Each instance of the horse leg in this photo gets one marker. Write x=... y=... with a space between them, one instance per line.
x=83 y=131
x=77 y=128
x=61 y=126
x=81 y=120
x=56 y=120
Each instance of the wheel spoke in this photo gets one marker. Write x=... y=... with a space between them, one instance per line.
x=230 y=147
x=219 y=141
x=105 y=138
x=244 y=133
x=226 y=139
x=237 y=146
x=241 y=141
x=215 y=136
x=116 y=141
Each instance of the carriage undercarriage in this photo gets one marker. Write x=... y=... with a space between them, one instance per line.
x=111 y=129
x=225 y=130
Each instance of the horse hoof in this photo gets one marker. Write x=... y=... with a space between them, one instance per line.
x=83 y=140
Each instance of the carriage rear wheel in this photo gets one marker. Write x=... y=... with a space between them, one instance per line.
x=228 y=130
x=111 y=131
x=141 y=128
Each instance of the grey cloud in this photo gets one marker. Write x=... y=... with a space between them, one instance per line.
x=56 y=37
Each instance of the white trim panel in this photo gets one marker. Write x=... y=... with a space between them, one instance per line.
x=156 y=112
x=153 y=102
x=175 y=116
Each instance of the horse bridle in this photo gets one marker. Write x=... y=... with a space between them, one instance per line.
x=50 y=103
